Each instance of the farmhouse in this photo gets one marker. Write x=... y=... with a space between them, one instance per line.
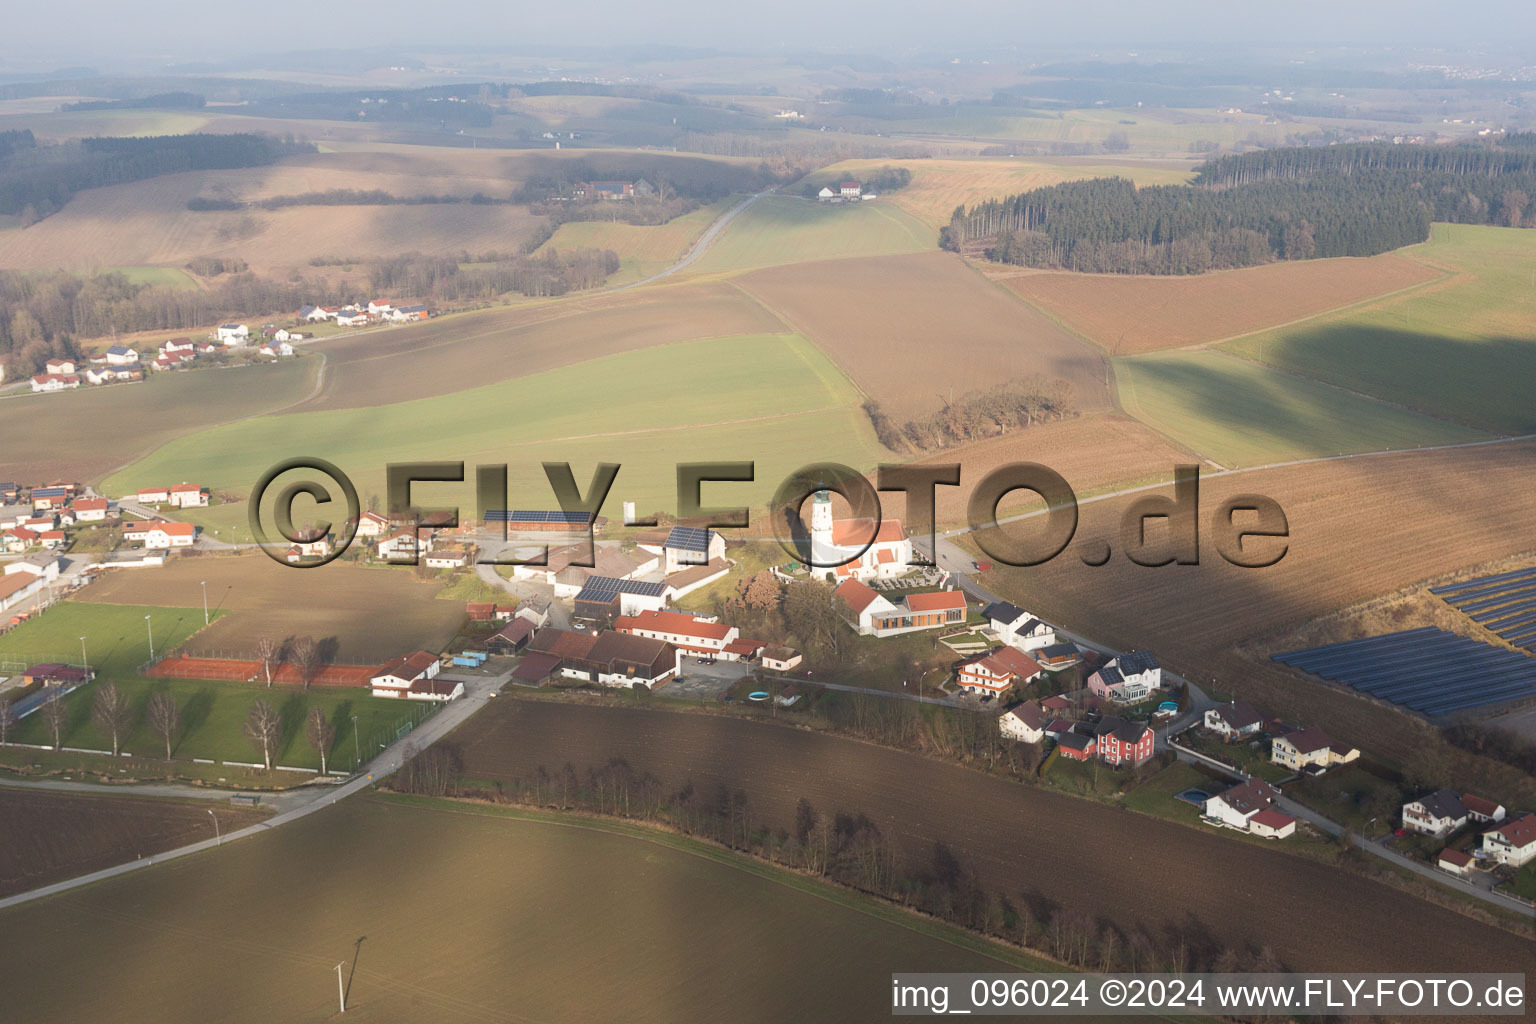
x=780 y=659
x=157 y=534
x=511 y=638
x=314 y=314
x=1025 y=723
x=189 y=496
x=396 y=678
x=1122 y=742
x=610 y=658
x=687 y=546
x=1310 y=750
x=997 y=671
x=351 y=319
x=406 y=314
x=49 y=382
x=45 y=499
x=1234 y=721
x=232 y=334
x=837 y=542
x=1512 y=843
x=17 y=539
x=178 y=346
x=449 y=556
x=696 y=634
x=152 y=495
x=522 y=520
x=1017 y=628
x=121 y=355
x=379 y=306
x=1128 y=678
x=608 y=597
x=1438 y=814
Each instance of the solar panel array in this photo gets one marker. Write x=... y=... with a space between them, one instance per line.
x=688 y=538
x=599 y=585
x=1428 y=670
x=501 y=515
x=1505 y=604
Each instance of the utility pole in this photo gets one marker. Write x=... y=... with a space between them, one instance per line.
x=341 y=992
x=205 y=602
x=150 y=626
x=357 y=749
x=218 y=840
x=84 y=662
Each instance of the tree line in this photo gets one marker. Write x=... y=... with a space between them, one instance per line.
x=37 y=180
x=339 y=197
x=1022 y=402
x=1299 y=203
x=445 y=279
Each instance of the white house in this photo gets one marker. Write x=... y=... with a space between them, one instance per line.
x=121 y=355
x=276 y=349
x=355 y=318
x=159 y=535
x=1017 y=628
x=687 y=546
x=396 y=678
x=696 y=634
x=1438 y=814
x=1025 y=723
x=1512 y=843
x=314 y=314
x=1236 y=807
x=1482 y=810
x=451 y=556
x=1233 y=721
x=405 y=314
x=55 y=382
x=377 y=306
x=404 y=544
x=371 y=524
x=59 y=366
x=90 y=510
x=1310 y=749
x=188 y=496
x=152 y=495
x=1128 y=678
x=177 y=347
x=997 y=671
x=780 y=659
x=42 y=564
x=232 y=334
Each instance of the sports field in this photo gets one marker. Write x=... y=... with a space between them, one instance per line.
x=914 y=331
x=373 y=613
x=117 y=637
x=87 y=433
x=772 y=398
x=779 y=229
x=1462 y=349
x=508 y=919
x=1240 y=413
x=1130 y=314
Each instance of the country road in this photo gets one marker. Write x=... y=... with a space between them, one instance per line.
x=693 y=254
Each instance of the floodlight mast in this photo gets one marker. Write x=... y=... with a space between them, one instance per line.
x=341 y=992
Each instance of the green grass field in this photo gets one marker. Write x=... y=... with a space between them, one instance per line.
x=784 y=229
x=165 y=277
x=213 y=718
x=1239 y=413
x=1464 y=350
x=507 y=916
x=116 y=635
x=771 y=398
x=642 y=249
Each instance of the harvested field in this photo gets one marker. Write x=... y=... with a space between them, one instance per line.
x=459 y=352
x=509 y=923
x=85 y=434
x=374 y=613
x=1359 y=528
x=892 y=321
x=1127 y=314
x=1024 y=842
x=53 y=836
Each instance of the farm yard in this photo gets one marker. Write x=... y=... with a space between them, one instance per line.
x=883 y=319
x=88 y=433
x=1460 y=349
x=1128 y=314
x=1074 y=848
x=780 y=229
x=1359 y=528
x=54 y=836
x=460 y=352
x=770 y=397
x=1241 y=413
x=266 y=929
x=375 y=613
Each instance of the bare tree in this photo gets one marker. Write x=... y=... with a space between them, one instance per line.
x=112 y=713
x=320 y=733
x=165 y=718
x=266 y=650
x=54 y=712
x=264 y=728
x=306 y=655
x=7 y=719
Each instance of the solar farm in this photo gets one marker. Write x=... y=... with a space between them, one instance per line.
x=1505 y=604
x=1427 y=670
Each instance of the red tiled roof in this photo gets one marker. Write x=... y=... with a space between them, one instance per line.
x=856 y=595
x=407 y=666
x=939 y=600
x=1479 y=805
x=1271 y=818
x=1521 y=832
x=90 y=504
x=1309 y=740
x=851 y=532
x=1455 y=857
x=679 y=623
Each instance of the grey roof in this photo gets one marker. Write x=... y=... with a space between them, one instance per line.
x=1443 y=803
x=1239 y=714
x=1111 y=675
x=689 y=538
x=1058 y=650
x=1002 y=611
x=1136 y=662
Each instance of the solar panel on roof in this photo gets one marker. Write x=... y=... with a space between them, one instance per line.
x=688 y=538
x=537 y=516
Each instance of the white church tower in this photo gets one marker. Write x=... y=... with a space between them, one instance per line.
x=823 y=551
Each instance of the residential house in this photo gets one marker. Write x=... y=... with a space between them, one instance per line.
x=687 y=546
x=49 y=382
x=156 y=534
x=1234 y=721
x=371 y=524
x=188 y=496
x=1025 y=723
x=404 y=545
x=122 y=355
x=1310 y=750
x=46 y=499
x=275 y=349
x=1512 y=843
x=352 y=319
x=405 y=314
x=1235 y=807
x=232 y=334
x=378 y=306
x=1017 y=628
x=1481 y=809
x=17 y=539
x=997 y=671
x=777 y=658
x=449 y=556
x=51 y=538
x=1122 y=742
x=59 y=366
x=1454 y=862
x=314 y=314
x=152 y=495
x=178 y=347
x=1128 y=678
x=1438 y=814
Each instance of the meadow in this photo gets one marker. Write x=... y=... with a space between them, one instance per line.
x=1126 y=315
x=513 y=917
x=85 y=434
x=642 y=249
x=779 y=229
x=1461 y=349
x=1239 y=413
x=914 y=331
x=773 y=398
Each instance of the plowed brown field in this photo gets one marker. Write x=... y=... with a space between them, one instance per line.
x=1025 y=842
x=1127 y=315
x=913 y=330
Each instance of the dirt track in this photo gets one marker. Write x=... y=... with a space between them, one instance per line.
x=1026 y=843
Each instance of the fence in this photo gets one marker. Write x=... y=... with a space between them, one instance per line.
x=224 y=665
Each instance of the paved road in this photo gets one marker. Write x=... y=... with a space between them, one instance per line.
x=692 y=255
x=559 y=616
x=281 y=800
x=478 y=693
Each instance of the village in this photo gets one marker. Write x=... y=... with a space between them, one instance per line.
x=589 y=604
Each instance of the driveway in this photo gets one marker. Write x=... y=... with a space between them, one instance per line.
x=705 y=682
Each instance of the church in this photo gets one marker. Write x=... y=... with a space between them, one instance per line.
x=838 y=540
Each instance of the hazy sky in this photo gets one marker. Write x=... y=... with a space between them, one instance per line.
x=99 y=31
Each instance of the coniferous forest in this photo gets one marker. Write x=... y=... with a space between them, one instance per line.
x=1239 y=211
